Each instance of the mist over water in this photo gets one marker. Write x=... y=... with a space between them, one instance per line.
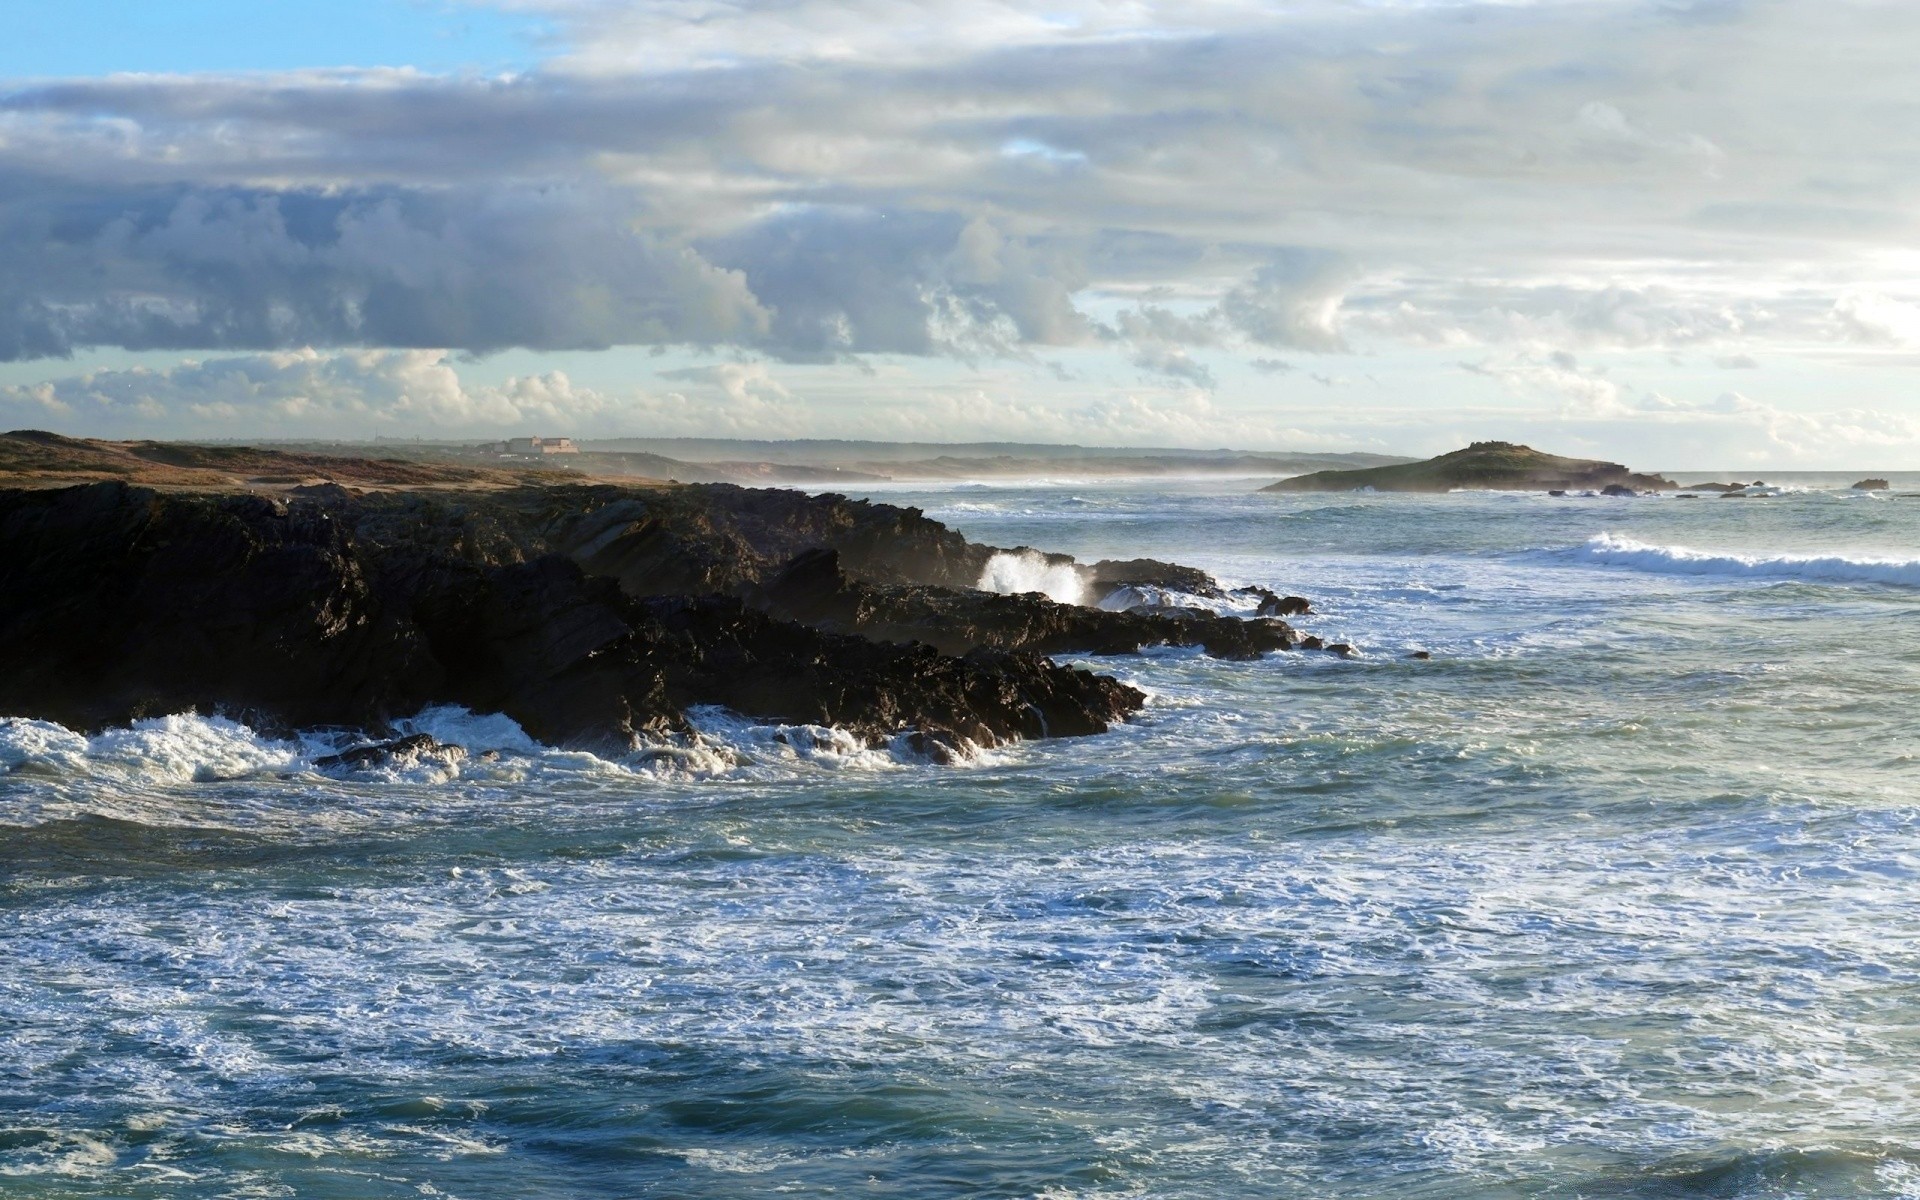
x=1618 y=896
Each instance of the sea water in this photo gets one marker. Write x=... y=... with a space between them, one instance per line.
x=1617 y=895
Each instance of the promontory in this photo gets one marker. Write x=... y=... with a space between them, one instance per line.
x=297 y=591
x=1495 y=466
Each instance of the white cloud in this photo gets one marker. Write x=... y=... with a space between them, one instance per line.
x=1180 y=188
x=364 y=393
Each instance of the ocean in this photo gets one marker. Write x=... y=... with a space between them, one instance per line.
x=1617 y=895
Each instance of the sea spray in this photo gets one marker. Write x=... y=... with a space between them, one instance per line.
x=1027 y=571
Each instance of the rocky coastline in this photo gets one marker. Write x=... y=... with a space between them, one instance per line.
x=595 y=615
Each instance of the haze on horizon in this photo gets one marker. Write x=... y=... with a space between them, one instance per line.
x=1667 y=232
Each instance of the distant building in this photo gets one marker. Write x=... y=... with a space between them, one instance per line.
x=537 y=445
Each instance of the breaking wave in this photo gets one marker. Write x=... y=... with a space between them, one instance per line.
x=1612 y=549
x=1027 y=571
x=187 y=748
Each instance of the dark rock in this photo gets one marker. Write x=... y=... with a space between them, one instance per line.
x=813 y=589
x=1618 y=491
x=404 y=750
x=1713 y=487
x=322 y=491
x=1341 y=648
x=119 y=602
x=1310 y=642
x=1557 y=492
x=1422 y=655
x=1872 y=485
x=1110 y=575
x=1284 y=606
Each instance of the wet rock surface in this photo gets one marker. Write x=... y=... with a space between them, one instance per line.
x=595 y=616
x=813 y=589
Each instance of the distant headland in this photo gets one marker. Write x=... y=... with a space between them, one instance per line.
x=1495 y=466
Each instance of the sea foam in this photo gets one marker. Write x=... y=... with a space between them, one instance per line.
x=187 y=748
x=1027 y=571
x=1612 y=549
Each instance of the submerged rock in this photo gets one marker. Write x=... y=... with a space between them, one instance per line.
x=401 y=752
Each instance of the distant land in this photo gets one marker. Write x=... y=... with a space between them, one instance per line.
x=947 y=460
x=721 y=460
x=1498 y=466
x=37 y=458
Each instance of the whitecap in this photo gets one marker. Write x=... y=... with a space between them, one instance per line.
x=1613 y=549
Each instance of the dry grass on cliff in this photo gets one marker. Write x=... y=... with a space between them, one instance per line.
x=33 y=459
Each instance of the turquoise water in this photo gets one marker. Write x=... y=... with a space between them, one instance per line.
x=1618 y=896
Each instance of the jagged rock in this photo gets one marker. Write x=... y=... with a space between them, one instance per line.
x=813 y=589
x=1284 y=606
x=118 y=602
x=401 y=750
x=1619 y=491
x=1340 y=648
x=1872 y=485
x=1110 y=575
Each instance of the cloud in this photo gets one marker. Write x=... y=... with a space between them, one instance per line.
x=1152 y=187
x=365 y=393
x=173 y=268
x=1291 y=302
x=817 y=179
x=1876 y=319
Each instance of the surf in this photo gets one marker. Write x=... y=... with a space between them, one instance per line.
x=1617 y=550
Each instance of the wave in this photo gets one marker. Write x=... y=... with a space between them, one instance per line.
x=187 y=748
x=1612 y=549
x=1029 y=571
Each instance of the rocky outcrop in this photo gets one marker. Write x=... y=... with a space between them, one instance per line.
x=893 y=574
x=813 y=589
x=118 y=602
x=1501 y=466
x=1873 y=485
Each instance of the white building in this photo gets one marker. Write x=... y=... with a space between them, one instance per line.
x=538 y=445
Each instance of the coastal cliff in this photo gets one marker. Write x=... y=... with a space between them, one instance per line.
x=594 y=615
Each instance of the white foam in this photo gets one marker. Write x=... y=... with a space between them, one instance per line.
x=1613 y=549
x=1027 y=571
x=453 y=725
x=185 y=748
x=481 y=747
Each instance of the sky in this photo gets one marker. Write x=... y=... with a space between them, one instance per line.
x=1675 y=233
